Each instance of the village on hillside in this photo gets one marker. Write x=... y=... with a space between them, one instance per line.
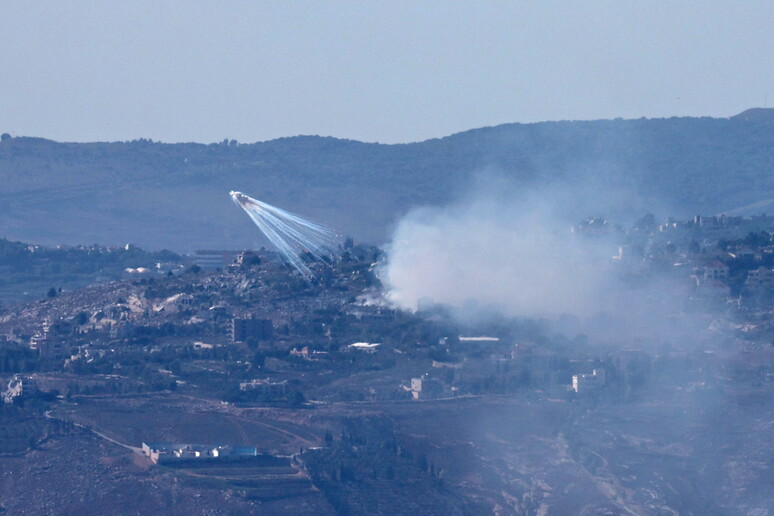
x=243 y=339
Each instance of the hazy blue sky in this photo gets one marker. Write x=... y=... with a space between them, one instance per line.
x=389 y=71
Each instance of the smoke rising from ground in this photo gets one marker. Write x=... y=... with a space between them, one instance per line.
x=513 y=252
x=510 y=251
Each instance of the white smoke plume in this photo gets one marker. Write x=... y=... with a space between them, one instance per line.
x=502 y=249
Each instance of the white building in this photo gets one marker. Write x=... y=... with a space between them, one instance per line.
x=416 y=388
x=588 y=382
x=366 y=346
x=14 y=389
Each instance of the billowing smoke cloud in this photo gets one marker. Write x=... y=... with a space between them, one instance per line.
x=507 y=250
x=513 y=251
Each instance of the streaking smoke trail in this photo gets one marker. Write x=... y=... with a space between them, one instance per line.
x=290 y=234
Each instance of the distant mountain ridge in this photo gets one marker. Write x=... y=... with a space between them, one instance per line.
x=755 y=115
x=176 y=195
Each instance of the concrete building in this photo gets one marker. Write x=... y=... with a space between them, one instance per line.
x=160 y=453
x=761 y=278
x=265 y=387
x=716 y=270
x=582 y=383
x=416 y=388
x=49 y=342
x=212 y=259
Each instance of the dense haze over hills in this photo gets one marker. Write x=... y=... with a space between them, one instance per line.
x=176 y=195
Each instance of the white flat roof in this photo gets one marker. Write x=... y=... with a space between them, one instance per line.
x=479 y=339
x=365 y=345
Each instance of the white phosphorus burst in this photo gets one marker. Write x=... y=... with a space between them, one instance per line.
x=290 y=234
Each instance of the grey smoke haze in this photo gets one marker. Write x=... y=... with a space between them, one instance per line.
x=513 y=251
x=495 y=247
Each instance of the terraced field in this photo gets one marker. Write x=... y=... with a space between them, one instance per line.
x=257 y=478
x=178 y=418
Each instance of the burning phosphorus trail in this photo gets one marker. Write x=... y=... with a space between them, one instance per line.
x=295 y=238
x=240 y=198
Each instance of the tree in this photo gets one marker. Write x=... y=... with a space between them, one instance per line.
x=295 y=398
x=251 y=259
x=5 y=137
x=259 y=359
x=51 y=292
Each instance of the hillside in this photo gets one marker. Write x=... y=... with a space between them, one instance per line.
x=176 y=195
x=756 y=115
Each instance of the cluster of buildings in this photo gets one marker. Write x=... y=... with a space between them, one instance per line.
x=724 y=258
x=50 y=341
x=719 y=226
x=252 y=305
x=160 y=453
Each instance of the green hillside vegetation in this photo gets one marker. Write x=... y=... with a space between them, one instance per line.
x=176 y=195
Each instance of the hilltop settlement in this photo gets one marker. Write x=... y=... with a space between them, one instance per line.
x=305 y=395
